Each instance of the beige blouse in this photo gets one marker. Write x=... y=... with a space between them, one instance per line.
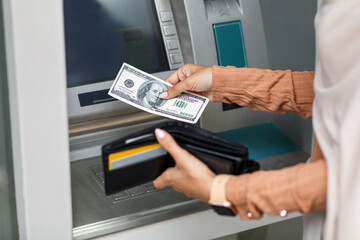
x=298 y=188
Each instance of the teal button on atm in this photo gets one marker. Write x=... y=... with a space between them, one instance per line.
x=230 y=44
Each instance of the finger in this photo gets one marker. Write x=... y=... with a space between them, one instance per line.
x=182 y=73
x=179 y=75
x=178 y=87
x=257 y=215
x=164 y=179
x=254 y=212
x=170 y=145
x=176 y=90
x=173 y=78
x=243 y=214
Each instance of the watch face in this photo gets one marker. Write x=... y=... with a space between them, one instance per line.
x=223 y=210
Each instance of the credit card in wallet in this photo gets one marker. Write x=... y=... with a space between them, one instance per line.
x=135 y=155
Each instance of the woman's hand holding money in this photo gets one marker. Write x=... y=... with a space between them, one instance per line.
x=190 y=77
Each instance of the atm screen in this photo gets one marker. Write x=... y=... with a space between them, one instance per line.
x=102 y=34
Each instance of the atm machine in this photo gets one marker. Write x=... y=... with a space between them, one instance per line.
x=159 y=36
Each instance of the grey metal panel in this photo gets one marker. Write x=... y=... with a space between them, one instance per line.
x=217 y=120
x=296 y=128
x=163 y=6
x=201 y=15
x=202 y=39
x=290 y=40
x=89 y=145
x=284 y=160
x=285 y=230
x=182 y=24
x=8 y=220
x=289 y=33
x=36 y=73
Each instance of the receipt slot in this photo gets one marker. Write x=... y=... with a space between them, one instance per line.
x=61 y=114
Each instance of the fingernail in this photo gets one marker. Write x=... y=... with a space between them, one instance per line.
x=159 y=133
x=163 y=95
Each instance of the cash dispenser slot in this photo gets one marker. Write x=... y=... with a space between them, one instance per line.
x=95 y=97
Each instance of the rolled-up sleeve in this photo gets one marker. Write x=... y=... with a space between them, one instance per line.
x=299 y=188
x=265 y=90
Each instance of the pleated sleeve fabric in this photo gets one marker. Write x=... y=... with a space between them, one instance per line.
x=298 y=188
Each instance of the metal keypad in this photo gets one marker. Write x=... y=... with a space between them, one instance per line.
x=146 y=188
x=169 y=33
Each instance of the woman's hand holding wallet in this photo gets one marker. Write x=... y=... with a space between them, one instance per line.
x=189 y=175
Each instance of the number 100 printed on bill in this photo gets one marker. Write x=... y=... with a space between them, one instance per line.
x=142 y=90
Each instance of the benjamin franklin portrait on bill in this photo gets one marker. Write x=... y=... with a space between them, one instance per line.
x=148 y=94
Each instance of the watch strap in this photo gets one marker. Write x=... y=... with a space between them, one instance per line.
x=217 y=193
x=218 y=199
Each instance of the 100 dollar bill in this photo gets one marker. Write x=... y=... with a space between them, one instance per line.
x=142 y=90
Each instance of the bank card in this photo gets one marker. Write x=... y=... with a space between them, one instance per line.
x=135 y=155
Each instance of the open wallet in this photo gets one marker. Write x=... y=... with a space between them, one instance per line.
x=138 y=158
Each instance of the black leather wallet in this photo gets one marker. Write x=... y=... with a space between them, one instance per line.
x=138 y=158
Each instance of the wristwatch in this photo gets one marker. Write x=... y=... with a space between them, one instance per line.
x=218 y=199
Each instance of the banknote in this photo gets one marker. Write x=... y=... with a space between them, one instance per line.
x=142 y=90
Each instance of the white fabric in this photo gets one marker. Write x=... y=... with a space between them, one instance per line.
x=336 y=113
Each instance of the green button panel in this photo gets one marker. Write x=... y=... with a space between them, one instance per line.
x=230 y=44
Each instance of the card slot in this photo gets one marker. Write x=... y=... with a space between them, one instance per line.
x=221 y=155
x=202 y=135
x=216 y=148
x=141 y=138
x=216 y=164
x=208 y=140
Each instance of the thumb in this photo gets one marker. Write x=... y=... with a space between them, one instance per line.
x=164 y=179
x=170 y=145
x=174 y=90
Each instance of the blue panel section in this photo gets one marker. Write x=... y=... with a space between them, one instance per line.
x=230 y=44
x=263 y=141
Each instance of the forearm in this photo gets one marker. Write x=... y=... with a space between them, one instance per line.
x=299 y=188
x=266 y=90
